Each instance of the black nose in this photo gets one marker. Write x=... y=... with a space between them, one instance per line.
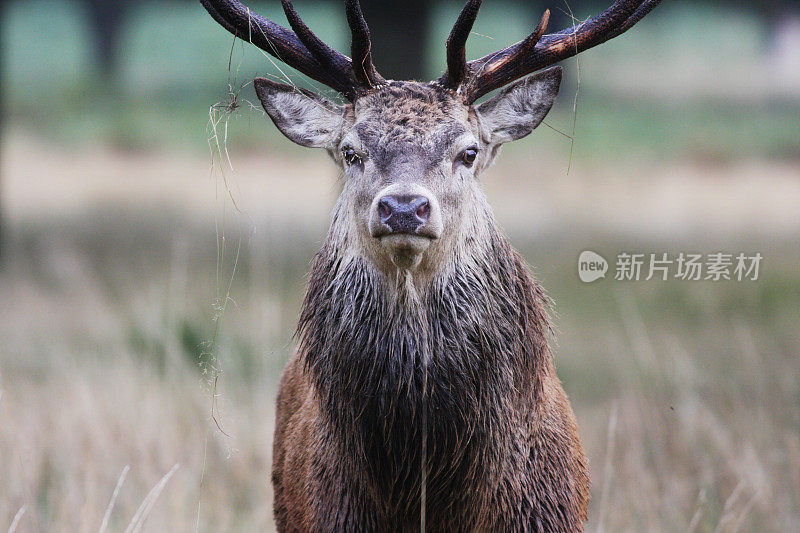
x=404 y=213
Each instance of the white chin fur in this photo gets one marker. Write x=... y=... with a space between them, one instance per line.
x=405 y=250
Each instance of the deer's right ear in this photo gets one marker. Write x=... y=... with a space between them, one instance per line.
x=520 y=107
x=303 y=116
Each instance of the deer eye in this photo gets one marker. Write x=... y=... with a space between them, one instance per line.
x=468 y=156
x=350 y=156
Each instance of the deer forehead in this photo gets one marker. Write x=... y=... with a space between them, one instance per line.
x=404 y=116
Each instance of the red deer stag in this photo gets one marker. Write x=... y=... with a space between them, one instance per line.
x=422 y=394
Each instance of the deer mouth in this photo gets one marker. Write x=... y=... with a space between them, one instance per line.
x=405 y=249
x=383 y=234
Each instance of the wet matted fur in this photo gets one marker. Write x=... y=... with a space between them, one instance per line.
x=503 y=452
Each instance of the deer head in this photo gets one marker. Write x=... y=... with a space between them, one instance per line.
x=411 y=152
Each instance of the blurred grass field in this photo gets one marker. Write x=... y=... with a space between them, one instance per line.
x=130 y=281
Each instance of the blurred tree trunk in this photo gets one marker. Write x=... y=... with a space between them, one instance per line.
x=399 y=31
x=106 y=18
x=3 y=252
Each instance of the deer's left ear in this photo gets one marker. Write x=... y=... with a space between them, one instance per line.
x=303 y=116
x=520 y=107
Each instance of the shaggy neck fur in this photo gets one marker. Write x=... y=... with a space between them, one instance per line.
x=453 y=368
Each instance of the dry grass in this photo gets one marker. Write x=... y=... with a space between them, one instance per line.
x=81 y=400
x=686 y=394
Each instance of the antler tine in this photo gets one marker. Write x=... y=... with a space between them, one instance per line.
x=457 y=45
x=538 y=51
x=269 y=37
x=302 y=49
x=531 y=40
x=638 y=15
x=361 y=47
x=644 y=8
x=331 y=60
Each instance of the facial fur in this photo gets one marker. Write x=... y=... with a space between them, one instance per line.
x=409 y=137
x=407 y=142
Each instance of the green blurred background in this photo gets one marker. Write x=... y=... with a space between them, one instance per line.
x=155 y=243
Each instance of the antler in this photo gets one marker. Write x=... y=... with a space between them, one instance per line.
x=478 y=77
x=307 y=53
x=302 y=49
x=361 y=47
